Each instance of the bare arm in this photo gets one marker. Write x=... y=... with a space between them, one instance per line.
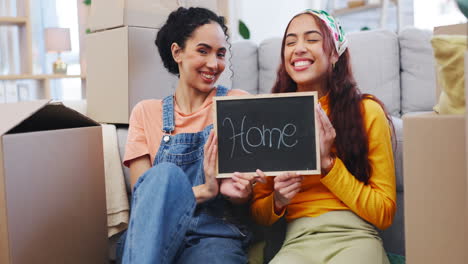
x=137 y=167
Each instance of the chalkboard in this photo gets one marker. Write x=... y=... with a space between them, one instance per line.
x=273 y=133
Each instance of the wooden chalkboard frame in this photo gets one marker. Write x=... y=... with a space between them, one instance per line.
x=266 y=96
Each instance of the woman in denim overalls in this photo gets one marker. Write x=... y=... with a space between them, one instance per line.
x=178 y=213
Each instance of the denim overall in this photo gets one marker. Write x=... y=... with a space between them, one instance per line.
x=166 y=225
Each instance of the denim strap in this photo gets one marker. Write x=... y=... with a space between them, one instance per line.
x=168 y=114
x=221 y=90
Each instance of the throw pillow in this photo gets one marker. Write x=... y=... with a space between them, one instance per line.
x=449 y=53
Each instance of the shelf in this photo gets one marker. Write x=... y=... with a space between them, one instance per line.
x=11 y=21
x=43 y=78
x=39 y=77
x=344 y=11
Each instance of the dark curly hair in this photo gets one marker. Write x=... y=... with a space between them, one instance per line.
x=179 y=26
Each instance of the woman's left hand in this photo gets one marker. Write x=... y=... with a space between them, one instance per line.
x=327 y=138
x=239 y=186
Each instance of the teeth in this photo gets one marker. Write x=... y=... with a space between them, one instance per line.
x=301 y=63
x=208 y=76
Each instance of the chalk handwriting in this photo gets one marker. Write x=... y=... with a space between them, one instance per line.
x=265 y=136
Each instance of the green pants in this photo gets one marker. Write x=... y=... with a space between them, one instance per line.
x=336 y=237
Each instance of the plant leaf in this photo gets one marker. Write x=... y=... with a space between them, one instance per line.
x=244 y=30
x=87 y=2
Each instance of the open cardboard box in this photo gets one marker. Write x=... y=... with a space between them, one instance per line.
x=52 y=190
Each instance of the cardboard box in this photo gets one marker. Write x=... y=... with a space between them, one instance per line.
x=124 y=67
x=107 y=14
x=435 y=188
x=52 y=192
x=466 y=130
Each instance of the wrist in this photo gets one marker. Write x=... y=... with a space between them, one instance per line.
x=278 y=207
x=327 y=164
x=209 y=192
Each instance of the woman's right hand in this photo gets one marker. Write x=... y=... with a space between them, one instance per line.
x=286 y=186
x=209 y=166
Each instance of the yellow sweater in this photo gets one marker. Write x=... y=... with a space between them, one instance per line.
x=339 y=189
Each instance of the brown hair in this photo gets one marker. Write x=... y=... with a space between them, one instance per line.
x=345 y=106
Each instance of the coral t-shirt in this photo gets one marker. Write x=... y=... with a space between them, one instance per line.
x=145 y=128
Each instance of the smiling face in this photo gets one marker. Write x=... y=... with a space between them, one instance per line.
x=202 y=60
x=305 y=59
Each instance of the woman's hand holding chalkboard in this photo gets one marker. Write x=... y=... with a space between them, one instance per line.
x=238 y=188
x=327 y=136
x=211 y=186
x=286 y=186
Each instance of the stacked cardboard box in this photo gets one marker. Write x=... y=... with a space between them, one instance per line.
x=124 y=66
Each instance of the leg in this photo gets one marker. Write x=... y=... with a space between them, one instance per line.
x=335 y=237
x=291 y=257
x=363 y=251
x=162 y=207
x=213 y=250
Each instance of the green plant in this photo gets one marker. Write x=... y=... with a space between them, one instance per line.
x=244 y=30
x=88 y=3
x=463 y=5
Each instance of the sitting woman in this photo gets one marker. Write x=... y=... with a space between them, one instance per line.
x=177 y=214
x=331 y=217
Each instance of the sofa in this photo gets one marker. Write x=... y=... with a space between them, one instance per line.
x=397 y=68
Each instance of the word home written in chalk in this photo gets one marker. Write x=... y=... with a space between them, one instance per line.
x=274 y=133
x=250 y=138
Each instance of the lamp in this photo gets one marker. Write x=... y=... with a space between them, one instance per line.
x=58 y=40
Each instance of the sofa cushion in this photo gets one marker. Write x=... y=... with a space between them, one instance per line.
x=245 y=66
x=398 y=152
x=376 y=65
x=268 y=62
x=394 y=236
x=418 y=82
x=241 y=70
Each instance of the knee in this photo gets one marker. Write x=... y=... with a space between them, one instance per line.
x=166 y=174
x=362 y=251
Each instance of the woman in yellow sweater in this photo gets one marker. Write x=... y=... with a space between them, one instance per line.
x=331 y=217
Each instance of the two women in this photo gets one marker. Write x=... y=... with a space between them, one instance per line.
x=177 y=214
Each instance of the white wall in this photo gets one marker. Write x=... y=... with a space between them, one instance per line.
x=266 y=18
x=429 y=14
x=269 y=18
